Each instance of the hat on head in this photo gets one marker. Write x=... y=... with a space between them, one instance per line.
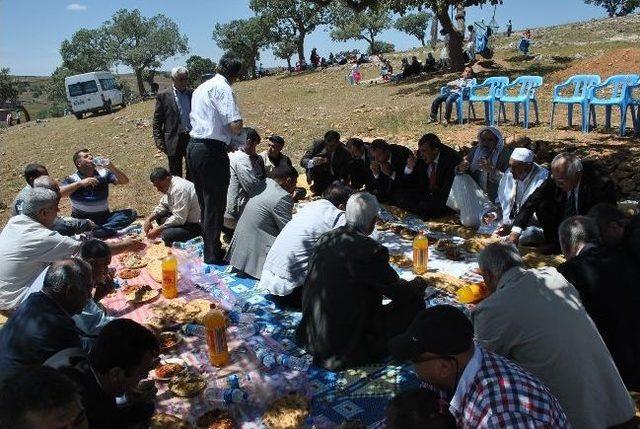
x=442 y=330
x=277 y=139
x=523 y=155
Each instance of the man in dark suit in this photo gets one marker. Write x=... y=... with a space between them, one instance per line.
x=573 y=189
x=617 y=229
x=326 y=161
x=606 y=277
x=344 y=323
x=171 y=123
x=428 y=178
x=387 y=165
x=359 y=167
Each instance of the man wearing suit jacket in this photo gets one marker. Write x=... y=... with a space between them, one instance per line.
x=171 y=123
x=326 y=160
x=428 y=178
x=573 y=189
x=387 y=165
x=360 y=175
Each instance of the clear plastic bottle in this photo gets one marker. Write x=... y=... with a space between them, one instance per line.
x=193 y=330
x=293 y=362
x=170 y=276
x=227 y=396
x=266 y=357
x=420 y=253
x=100 y=161
x=216 y=327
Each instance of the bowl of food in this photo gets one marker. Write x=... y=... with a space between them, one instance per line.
x=139 y=293
x=215 y=419
x=169 y=368
x=187 y=384
x=169 y=340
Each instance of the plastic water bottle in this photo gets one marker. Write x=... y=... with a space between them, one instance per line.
x=100 y=161
x=228 y=396
x=234 y=381
x=266 y=357
x=193 y=330
x=292 y=362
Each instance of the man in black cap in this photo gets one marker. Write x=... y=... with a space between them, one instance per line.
x=485 y=390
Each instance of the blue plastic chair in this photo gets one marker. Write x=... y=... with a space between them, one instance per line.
x=634 y=104
x=494 y=86
x=527 y=86
x=616 y=86
x=581 y=84
x=460 y=101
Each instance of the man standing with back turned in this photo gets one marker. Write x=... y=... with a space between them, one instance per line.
x=215 y=119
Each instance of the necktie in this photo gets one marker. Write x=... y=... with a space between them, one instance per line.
x=570 y=205
x=432 y=176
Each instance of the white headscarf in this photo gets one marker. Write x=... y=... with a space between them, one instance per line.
x=480 y=153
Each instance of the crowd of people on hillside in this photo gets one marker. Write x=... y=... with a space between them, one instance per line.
x=546 y=347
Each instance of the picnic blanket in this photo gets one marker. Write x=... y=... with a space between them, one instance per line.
x=357 y=394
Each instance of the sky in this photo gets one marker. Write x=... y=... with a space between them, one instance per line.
x=31 y=31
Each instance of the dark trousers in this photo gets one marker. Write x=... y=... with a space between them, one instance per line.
x=108 y=224
x=209 y=164
x=175 y=160
x=449 y=100
x=320 y=179
x=293 y=301
x=422 y=203
x=179 y=233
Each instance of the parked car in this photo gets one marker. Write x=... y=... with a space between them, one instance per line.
x=93 y=92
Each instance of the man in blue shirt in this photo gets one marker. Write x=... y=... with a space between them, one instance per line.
x=88 y=189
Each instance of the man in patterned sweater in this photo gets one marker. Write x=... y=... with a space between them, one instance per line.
x=483 y=390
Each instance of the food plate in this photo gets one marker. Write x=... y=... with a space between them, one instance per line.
x=187 y=384
x=169 y=340
x=401 y=261
x=168 y=421
x=154 y=268
x=215 y=419
x=139 y=293
x=169 y=368
x=180 y=311
x=128 y=273
x=408 y=234
x=289 y=411
x=444 y=282
x=133 y=260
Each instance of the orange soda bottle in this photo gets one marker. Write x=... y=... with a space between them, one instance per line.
x=170 y=276
x=472 y=293
x=420 y=253
x=215 y=324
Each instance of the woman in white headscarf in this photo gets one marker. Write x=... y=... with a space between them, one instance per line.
x=478 y=176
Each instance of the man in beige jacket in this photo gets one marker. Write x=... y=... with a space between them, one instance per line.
x=535 y=318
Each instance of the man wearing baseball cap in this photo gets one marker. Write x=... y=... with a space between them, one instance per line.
x=484 y=390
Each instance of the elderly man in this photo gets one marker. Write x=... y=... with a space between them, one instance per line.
x=429 y=177
x=31 y=173
x=215 y=119
x=171 y=123
x=344 y=323
x=387 y=167
x=265 y=215
x=573 y=188
x=42 y=326
x=325 y=161
x=455 y=89
x=88 y=189
x=484 y=390
x=247 y=178
x=535 y=318
x=360 y=175
x=273 y=158
x=606 y=277
x=178 y=213
x=287 y=263
x=518 y=183
x=476 y=184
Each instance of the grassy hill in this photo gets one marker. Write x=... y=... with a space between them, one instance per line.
x=303 y=106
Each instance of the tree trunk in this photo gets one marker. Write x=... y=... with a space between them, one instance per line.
x=300 y=46
x=456 y=57
x=422 y=41
x=460 y=17
x=434 y=32
x=289 y=63
x=140 y=81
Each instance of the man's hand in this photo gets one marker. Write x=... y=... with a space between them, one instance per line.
x=375 y=168
x=411 y=162
x=133 y=245
x=154 y=233
x=89 y=181
x=146 y=226
x=487 y=218
x=420 y=284
x=503 y=231
x=385 y=167
x=92 y=225
x=463 y=166
x=485 y=165
x=514 y=238
x=318 y=160
x=160 y=145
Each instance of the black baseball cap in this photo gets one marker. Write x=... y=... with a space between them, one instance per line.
x=442 y=330
x=277 y=139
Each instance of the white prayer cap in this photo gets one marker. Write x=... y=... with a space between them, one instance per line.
x=523 y=155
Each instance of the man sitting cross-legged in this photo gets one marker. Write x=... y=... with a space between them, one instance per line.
x=178 y=213
x=88 y=189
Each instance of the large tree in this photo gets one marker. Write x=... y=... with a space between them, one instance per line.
x=9 y=89
x=87 y=51
x=364 y=25
x=198 y=66
x=143 y=43
x=616 y=7
x=285 y=49
x=414 y=24
x=293 y=18
x=244 y=38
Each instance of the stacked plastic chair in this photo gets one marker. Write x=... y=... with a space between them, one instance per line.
x=634 y=105
x=580 y=96
x=460 y=101
x=613 y=92
x=493 y=86
x=526 y=86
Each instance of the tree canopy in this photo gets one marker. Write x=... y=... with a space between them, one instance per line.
x=285 y=49
x=87 y=51
x=198 y=66
x=9 y=89
x=616 y=7
x=414 y=24
x=363 y=25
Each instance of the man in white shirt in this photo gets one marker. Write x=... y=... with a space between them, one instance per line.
x=287 y=263
x=178 y=213
x=215 y=120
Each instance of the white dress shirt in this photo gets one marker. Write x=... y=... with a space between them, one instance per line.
x=213 y=108
x=181 y=201
x=26 y=248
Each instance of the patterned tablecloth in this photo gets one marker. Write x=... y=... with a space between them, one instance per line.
x=357 y=394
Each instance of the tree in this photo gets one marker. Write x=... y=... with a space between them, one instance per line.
x=244 y=38
x=364 y=25
x=616 y=7
x=414 y=24
x=381 y=47
x=198 y=66
x=285 y=49
x=9 y=90
x=87 y=51
x=55 y=88
x=143 y=43
x=293 y=18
